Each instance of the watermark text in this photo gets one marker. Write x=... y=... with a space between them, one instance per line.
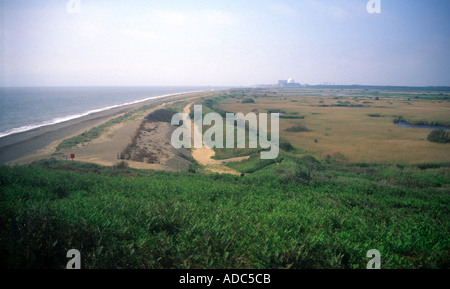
x=374 y=6
x=375 y=262
x=73 y=6
x=236 y=125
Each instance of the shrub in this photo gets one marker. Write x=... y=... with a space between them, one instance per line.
x=276 y=110
x=121 y=165
x=286 y=146
x=161 y=115
x=292 y=116
x=374 y=115
x=297 y=128
x=301 y=174
x=439 y=136
x=248 y=100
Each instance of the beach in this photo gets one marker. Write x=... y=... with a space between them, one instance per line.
x=40 y=143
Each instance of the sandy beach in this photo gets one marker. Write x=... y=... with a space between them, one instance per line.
x=40 y=143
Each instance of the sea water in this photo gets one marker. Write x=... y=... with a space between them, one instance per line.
x=26 y=108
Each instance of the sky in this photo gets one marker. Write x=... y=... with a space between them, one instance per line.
x=223 y=43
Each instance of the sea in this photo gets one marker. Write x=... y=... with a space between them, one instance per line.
x=27 y=108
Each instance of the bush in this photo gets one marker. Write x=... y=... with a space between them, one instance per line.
x=439 y=136
x=374 y=115
x=292 y=116
x=286 y=146
x=276 y=110
x=161 y=115
x=121 y=165
x=297 y=128
x=248 y=100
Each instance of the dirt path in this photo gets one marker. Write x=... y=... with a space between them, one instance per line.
x=204 y=155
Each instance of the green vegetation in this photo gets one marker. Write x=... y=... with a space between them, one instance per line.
x=91 y=134
x=421 y=121
x=297 y=128
x=374 y=115
x=276 y=110
x=292 y=116
x=296 y=211
x=248 y=100
x=286 y=146
x=439 y=136
x=293 y=212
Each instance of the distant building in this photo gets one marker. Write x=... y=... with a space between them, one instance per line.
x=288 y=83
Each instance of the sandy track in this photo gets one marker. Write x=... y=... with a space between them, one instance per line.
x=204 y=155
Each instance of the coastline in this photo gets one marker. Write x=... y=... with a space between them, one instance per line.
x=19 y=145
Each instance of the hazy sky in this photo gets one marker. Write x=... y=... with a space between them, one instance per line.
x=209 y=42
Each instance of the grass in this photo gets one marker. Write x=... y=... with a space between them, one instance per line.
x=291 y=213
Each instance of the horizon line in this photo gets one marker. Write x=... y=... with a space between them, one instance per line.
x=234 y=86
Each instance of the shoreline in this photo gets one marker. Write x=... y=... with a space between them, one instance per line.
x=19 y=145
x=67 y=118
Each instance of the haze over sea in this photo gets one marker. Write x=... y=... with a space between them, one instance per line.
x=26 y=108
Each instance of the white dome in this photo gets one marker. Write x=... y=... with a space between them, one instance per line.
x=291 y=80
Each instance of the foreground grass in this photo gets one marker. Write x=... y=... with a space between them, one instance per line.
x=293 y=213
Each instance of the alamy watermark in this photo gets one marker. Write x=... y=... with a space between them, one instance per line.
x=235 y=124
x=374 y=6
x=73 y=6
x=75 y=262
x=375 y=262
